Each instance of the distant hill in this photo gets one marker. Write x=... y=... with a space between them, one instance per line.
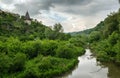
x=88 y=31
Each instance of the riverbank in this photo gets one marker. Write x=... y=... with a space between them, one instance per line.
x=105 y=52
x=89 y=67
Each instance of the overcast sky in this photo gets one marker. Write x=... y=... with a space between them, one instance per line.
x=74 y=15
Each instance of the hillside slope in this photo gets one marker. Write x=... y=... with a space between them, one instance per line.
x=14 y=25
x=35 y=50
x=105 y=41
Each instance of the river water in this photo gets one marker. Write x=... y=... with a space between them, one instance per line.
x=88 y=67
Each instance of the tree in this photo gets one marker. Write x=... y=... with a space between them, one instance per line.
x=94 y=36
x=49 y=33
x=58 y=28
x=113 y=38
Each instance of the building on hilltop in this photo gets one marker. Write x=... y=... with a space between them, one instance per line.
x=27 y=18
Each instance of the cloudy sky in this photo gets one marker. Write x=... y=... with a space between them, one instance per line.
x=74 y=15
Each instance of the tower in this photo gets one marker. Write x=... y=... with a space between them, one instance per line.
x=27 y=18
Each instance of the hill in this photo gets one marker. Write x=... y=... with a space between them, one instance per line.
x=15 y=25
x=29 y=49
x=105 y=39
x=88 y=31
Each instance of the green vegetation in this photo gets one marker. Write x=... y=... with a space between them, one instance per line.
x=15 y=26
x=35 y=50
x=39 y=58
x=105 y=41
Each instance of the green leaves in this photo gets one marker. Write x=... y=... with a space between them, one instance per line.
x=24 y=52
x=58 y=28
x=94 y=36
x=18 y=63
x=5 y=63
x=64 y=52
x=105 y=41
x=13 y=25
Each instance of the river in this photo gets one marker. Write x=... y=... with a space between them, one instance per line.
x=89 y=67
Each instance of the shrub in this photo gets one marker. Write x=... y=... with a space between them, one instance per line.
x=32 y=48
x=49 y=47
x=64 y=52
x=45 y=64
x=5 y=63
x=18 y=62
x=13 y=45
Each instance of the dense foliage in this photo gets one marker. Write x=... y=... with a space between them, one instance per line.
x=35 y=50
x=106 y=41
x=39 y=58
x=14 y=25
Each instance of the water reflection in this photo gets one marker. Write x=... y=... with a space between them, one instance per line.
x=88 y=67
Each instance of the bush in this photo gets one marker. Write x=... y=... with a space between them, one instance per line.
x=77 y=41
x=116 y=49
x=18 y=62
x=45 y=64
x=30 y=73
x=64 y=52
x=49 y=47
x=5 y=63
x=32 y=48
x=2 y=47
x=13 y=45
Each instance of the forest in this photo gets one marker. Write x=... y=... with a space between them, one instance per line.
x=35 y=50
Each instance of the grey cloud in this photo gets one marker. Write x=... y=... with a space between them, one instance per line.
x=72 y=2
x=95 y=6
x=21 y=8
x=7 y=1
x=68 y=6
x=34 y=6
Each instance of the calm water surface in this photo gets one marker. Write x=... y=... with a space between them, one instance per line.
x=88 y=67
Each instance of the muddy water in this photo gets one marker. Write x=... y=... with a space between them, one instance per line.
x=88 y=67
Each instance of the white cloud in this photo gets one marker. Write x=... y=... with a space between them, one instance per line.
x=7 y=7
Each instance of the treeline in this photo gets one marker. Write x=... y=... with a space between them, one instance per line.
x=35 y=50
x=105 y=41
x=15 y=25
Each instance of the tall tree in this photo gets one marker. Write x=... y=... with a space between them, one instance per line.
x=58 y=28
